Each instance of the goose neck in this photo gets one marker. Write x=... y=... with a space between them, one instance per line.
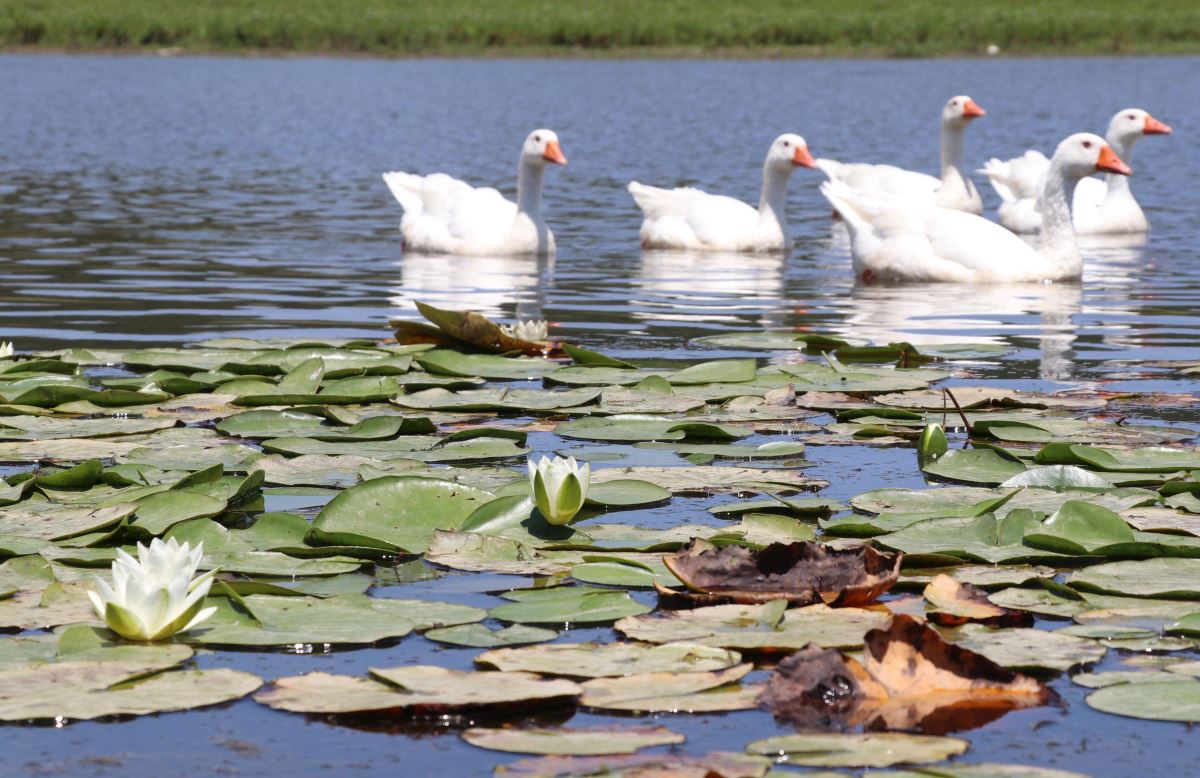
x=1058 y=232
x=774 y=193
x=529 y=188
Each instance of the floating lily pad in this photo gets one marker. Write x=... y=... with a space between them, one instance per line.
x=578 y=742
x=1164 y=578
x=1174 y=700
x=879 y=749
x=397 y=513
x=707 y=479
x=88 y=690
x=626 y=493
x=480 y=636
x=717 y=763
x=567 y=604
x=601 y=660
x=341 y=620
x=695 y=692
x=52 y=521
x=1027 y=649
x=417 y=691
x=768 y=627
x=975 y=466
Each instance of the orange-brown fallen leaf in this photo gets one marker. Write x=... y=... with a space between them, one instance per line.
x=910 y=678
x=955 y=603
x=802 y=573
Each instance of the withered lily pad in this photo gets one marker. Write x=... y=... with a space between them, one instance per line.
x=417 y=691
x=801 y=573
x=954 y=602
x=910 y=678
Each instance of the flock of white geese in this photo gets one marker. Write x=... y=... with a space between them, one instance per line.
x=904 y=226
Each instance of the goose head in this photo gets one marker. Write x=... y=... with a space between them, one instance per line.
x=1129 y=125
x=1083 y=153
x=788 y=152
x=960 y=110
x=541 y=147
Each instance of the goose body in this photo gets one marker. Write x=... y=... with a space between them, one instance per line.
x=694 y=220
x=1100 y=206
x=443 y=215
x=954 y=189
x=895 y=241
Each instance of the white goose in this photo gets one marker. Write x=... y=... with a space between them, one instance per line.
x=1106 y=206
x=953 y=190
x=896 y=241
x=443 y=215
x=690 y=219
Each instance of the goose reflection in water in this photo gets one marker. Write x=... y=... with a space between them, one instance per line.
x=497 y=287
x=710 y=288
x=967 y=313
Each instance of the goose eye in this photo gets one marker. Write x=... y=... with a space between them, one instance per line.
x=787 y=143
x=1131 y=116
x=954 y=103
x=1087 y=144
x=537 y=138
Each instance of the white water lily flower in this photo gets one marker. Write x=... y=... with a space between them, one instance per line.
x=154 y=596
x=6 y=349
x=534 y=331
x=559 y=487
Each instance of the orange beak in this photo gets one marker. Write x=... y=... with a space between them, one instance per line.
x=971 y=110
x=554 y=153
x=1109 y=162
x=803 y=157
x=1155 y=127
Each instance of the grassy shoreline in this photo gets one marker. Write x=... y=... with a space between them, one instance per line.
x=616 y=28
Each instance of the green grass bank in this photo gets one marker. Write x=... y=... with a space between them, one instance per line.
x=904 y=28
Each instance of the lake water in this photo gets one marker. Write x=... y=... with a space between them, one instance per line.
x=147 y=200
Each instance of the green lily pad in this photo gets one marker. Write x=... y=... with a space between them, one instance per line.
x=1163 y=578
x=975 y=466
x=1027 y=649
x=416 y=691
x=716 y=763
x=614 y=571
x=979 y=539
x=397 y=513
x=453 y=363
x=604 y=660
x=578 y=742
x=339 y=620
x=725 y=371
x=52 y=521
x=696 y=692
x=88 y=689
x=1144 y=459
x=567 y=604
x=1174 y=700
x=481 y=636
x=626 y=493
x=878 y=749
x=768 y=627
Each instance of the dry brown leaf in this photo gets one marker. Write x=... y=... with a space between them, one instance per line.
x=955 y=603
x=802 y=573
x=910 y=678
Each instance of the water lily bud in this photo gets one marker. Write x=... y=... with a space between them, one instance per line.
x=154 y=596
x=559 y=487
x=534 y=331
x=932 y=443
x=6 y=349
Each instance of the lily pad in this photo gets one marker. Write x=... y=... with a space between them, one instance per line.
x=1027 y=649
x=577 y=742
x=696 y=692
x=1174 y=700
x=480 y=636
x=603 y=660
x=879 y=749
x=567 y=605
x=417 y=691
x=397 y=513
x=1163 y=578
